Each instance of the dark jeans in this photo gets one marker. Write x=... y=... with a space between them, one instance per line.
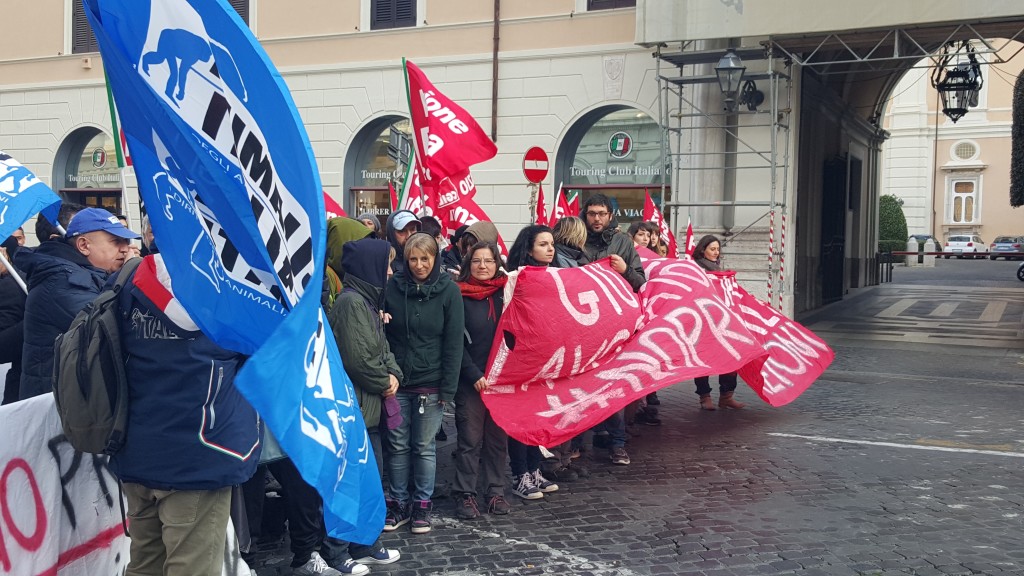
x=726 y=383
x=615 y=425
x=522 y=458
x=305 y=516
x=478 y=434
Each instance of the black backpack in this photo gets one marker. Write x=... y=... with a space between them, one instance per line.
x=89 y=380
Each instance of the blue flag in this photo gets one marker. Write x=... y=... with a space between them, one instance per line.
x=227 y=173
x=22 y=195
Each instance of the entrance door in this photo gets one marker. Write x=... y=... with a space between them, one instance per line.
x=833 y=230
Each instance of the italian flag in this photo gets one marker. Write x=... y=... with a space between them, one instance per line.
x=121 y=145
x=620 y=144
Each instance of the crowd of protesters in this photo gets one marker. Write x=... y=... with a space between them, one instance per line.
x=414 y=325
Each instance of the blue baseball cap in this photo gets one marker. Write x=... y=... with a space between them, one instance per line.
x=96 y=219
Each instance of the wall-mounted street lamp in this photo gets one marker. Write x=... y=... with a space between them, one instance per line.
x=730 y=71
x=957 y=82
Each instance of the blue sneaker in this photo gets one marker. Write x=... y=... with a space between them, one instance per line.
x=381 y=555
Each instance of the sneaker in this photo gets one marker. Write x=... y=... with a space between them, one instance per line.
x=620 y=457
x=397 y=515
x=421 y=516
x=317 y=566
x=542 y=483
x=526 y=489
x=576 y=453
x=381 y=555
x=652 y=399
x=498 y=505
x=564 y=474
x=468 y=509
x=350 y=566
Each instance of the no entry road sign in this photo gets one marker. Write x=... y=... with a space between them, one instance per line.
x=535 y=164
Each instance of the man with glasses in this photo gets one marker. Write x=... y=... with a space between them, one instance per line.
x=603 y=240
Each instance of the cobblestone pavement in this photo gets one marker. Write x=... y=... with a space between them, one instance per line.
x=905 y=458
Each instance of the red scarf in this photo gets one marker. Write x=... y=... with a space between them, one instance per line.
x=480 y=289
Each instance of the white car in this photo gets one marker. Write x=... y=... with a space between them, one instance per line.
x=964 y=245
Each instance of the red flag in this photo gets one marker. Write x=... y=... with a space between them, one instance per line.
x=448 y=140
x=466 y=212
x=562 y=208
x=574 y=203
x=540 y=215
x=652 y=214
x=332 y=208
x=691 y=243
x=394 y=196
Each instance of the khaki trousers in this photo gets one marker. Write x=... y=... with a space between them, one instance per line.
x=177 y=532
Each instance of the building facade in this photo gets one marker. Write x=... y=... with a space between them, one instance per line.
x=570 y=79
x=954 y=178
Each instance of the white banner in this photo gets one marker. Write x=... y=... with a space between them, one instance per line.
x=59 y=514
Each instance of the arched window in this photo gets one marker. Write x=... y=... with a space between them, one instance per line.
x=615 y=151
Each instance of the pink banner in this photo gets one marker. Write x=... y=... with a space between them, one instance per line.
x=575 y=345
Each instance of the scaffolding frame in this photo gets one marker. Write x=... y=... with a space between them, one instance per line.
x=774 y=114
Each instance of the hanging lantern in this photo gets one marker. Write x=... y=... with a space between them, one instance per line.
x=730 y=71
x=958 y=84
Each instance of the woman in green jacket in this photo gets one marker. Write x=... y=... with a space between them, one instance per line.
x=425 y=334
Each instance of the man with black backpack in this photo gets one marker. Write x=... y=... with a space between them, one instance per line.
x=190 y=435
x=63 y=276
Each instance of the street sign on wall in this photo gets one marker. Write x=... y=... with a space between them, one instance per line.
x=535 y=164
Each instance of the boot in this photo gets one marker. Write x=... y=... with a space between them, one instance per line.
x=727 y=401
x=706 y=403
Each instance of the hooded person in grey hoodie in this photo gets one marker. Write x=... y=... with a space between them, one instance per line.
x=400 y=225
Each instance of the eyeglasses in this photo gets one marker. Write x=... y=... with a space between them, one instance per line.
x=485 y=261
x=597 y=214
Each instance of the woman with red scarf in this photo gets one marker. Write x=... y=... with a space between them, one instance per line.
x=482 y=283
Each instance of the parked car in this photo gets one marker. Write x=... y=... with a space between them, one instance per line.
x=962 y=245
x=1007 y=247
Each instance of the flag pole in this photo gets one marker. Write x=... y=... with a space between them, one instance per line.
x=117 y=150
x=13 y=272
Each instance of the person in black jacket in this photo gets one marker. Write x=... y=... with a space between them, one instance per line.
x=603 y=240
x=12 y=316
x=706 y=253
x=482 y=282
x=63 y=277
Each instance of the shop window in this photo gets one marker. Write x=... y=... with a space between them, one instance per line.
x=377 y=159
x=963 y=208
x=615 y=151
x=385 y=14
x=609 y=4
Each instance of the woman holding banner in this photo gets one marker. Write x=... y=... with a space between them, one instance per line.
x=707 y=253
x=482 y=446
x=534 y=246
x=425 y=334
